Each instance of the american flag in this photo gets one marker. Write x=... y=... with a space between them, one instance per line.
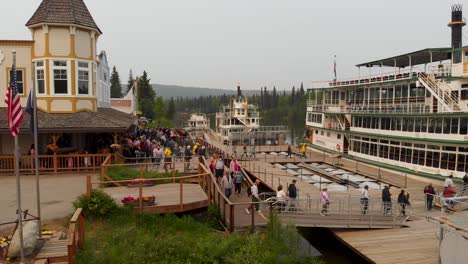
x=13 y=101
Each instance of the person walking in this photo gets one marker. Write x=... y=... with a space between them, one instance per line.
x=255 y=198
x=289 y=152
x=157 y=155
x=325 y=200
x=403 y=201
x=234 y=165
x=365 y=199
x=167 y=158
x=448 y=181
x=429 y=192
x=387 y=200
x=219 y=168
x=281 y=198
x=238 y=177
x=303 y=151
x=292 y=194
x=226 y=184
x=244 y=152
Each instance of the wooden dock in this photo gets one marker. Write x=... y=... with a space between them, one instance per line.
x=415 y=243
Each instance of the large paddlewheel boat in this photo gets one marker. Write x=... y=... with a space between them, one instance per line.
x=412 y=114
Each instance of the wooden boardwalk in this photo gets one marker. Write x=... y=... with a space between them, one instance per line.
x=168 y=196
x=416 y=243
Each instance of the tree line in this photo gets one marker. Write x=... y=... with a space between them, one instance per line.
x=276 y=107
x=151 y=106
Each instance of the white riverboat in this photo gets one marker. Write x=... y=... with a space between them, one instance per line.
x=411 y=114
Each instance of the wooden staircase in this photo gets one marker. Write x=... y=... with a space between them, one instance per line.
x=54 y=251
x=64 y=250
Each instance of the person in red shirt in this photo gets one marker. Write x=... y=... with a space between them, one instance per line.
x=448 y=193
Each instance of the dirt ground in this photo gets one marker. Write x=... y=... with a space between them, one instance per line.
x=57 y=194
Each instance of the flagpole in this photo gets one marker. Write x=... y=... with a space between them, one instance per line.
x=18 y=186
x=36 y=151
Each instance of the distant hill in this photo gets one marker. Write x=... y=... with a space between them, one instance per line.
x=168 y=91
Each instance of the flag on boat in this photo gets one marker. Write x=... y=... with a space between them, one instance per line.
x=13 y=101
x=334 y=67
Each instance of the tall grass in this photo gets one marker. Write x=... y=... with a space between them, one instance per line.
x=150 y=238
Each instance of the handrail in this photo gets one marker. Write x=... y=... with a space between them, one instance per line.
x=53 y=163
x=75 y=234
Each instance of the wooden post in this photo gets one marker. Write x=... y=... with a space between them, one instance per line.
x=54 y=161
x=181 y=194
x=173 y=168
x=140 y=200
x=88 y=186
x=231 y=218
x=252 y=219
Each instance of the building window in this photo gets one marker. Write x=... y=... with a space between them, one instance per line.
x=328 y=134
x=338 y=136
x=60 y=77
x=83 y=78
x=40 y=77
x=19 y=81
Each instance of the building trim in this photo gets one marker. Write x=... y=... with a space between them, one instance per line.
x=350 y=132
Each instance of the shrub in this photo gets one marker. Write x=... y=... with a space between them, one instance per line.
x=99 y=205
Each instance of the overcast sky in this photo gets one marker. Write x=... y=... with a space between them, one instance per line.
x=217 y=43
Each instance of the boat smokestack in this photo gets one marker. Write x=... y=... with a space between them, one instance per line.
x=457 y=24
x=239 y=93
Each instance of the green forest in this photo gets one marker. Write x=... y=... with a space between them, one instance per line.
x=276 y=108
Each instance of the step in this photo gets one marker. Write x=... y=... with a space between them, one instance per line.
x=55 y=251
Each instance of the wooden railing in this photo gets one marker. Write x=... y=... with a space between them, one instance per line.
x=224 y=205
x=75 y=234
x=173 y=167
x=200 y=178
x=53 y=163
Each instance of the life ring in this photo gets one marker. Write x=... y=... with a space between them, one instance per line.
x=329 y=125
x=338 y=147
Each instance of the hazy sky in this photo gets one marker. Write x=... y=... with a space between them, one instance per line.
x=217 y=43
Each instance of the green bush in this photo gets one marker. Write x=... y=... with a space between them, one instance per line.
x=99 y=205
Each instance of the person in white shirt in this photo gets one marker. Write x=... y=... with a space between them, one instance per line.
x=255 y=198
x=226 y=183
x=365 y=199
x=281 y=197
x=448 y=181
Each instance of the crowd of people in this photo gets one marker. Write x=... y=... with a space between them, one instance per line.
x=161 y=145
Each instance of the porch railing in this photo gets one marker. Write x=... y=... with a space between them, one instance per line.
x=53 y=163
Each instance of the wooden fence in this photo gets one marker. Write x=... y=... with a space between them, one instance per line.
x=53 y=163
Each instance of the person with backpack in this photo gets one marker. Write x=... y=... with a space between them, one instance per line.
x=292 y=194
x=403 y=201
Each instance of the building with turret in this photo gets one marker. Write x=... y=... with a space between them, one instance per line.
x=70 y=78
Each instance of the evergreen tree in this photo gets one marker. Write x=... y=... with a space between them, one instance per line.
x=116 y=87
x=293 y=96
x=130 y=81
x=274 y=96
x=146 y=96
x=171 y=109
